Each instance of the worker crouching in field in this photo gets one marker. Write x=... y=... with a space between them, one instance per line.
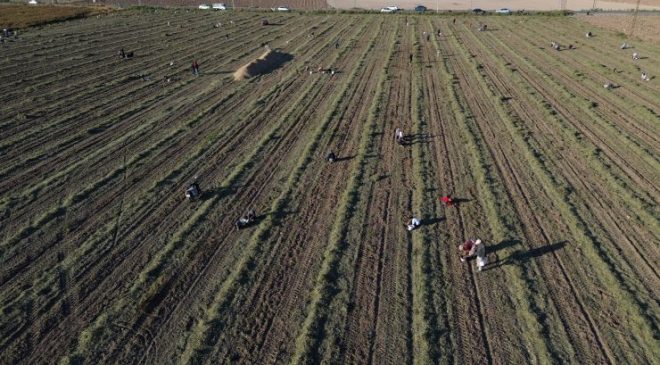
x=447 y=200
x=247 y=219
x=472 y=248
x=399 y=136
x=412 y=223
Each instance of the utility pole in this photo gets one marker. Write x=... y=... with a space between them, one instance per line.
x=634 y=21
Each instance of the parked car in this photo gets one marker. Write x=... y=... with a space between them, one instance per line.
x=282 y=8
x=219 y=6
x=204 y=7
x=420 y=8
x=390 y=9
x=503 y=11
x=478 y=11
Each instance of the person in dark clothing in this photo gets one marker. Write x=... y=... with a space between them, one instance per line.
x=195 y=68
x=331 y=157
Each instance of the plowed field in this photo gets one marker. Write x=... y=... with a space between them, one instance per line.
x=103 y=260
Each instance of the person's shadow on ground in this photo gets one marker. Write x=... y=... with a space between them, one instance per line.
x=520 y=257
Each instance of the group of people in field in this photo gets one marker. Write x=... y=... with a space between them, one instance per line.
x=471 y=248
x=608 y=85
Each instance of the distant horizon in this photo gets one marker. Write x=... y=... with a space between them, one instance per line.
x=514 y=5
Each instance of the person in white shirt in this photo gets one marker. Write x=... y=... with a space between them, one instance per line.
x=413 y=223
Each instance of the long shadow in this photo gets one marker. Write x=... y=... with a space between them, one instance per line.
x=217 y=192
x=280 y=214
x=412 y=139
x=431 y=221
x=521 y=257
x=460 y=201
x=503 y=244
x=345 y=158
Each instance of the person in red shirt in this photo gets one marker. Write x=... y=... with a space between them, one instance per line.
x=447 y=200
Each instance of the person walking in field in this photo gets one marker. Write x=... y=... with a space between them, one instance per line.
x=195 y=68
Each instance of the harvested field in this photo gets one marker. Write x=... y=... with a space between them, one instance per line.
x=21 y=16
x=647 y=26
x=103 y=260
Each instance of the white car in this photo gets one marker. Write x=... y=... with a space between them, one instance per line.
x=390 y=9
x=219 y=6
x=503 y=11
x=204 y=7
x=282 y=8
